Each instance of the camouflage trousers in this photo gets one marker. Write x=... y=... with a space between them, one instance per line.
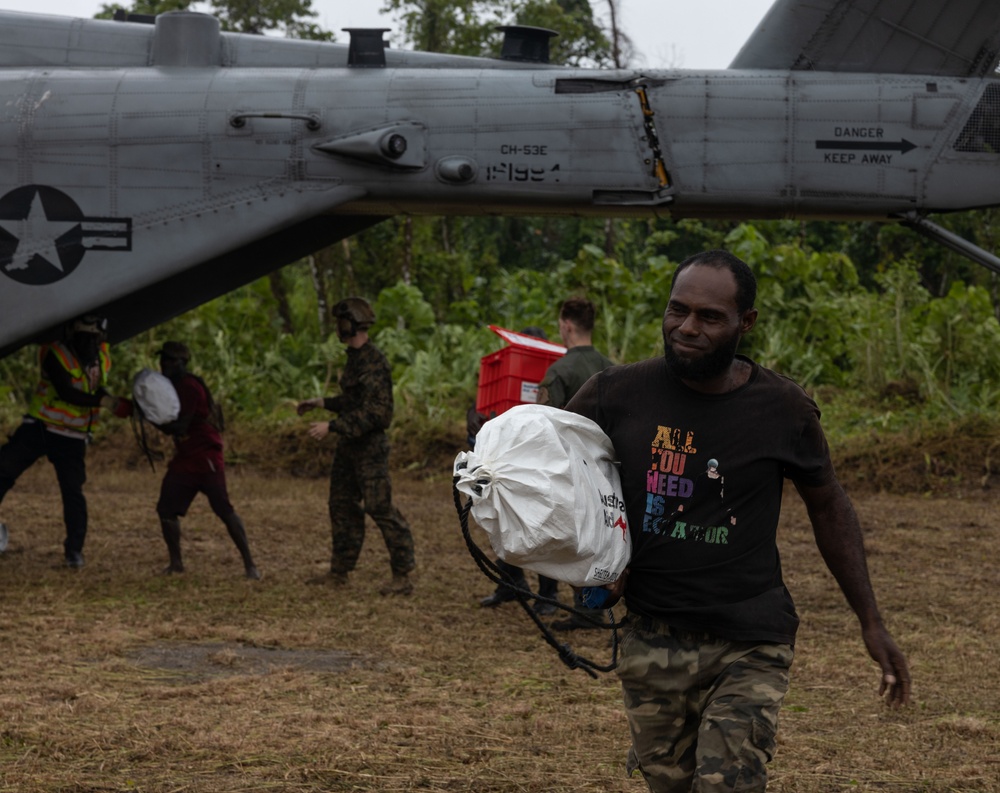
x=702 y=711
x=360 y=476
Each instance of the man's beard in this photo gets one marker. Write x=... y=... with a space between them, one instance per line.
x=712 y=365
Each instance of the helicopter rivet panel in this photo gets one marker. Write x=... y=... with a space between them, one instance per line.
x=857 y=144
x=935 y=109
x=507 y=117
x=781 y=143
x=745 y=135
x=77 y=102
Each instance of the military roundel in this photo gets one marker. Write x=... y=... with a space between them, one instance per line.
x=44 y=235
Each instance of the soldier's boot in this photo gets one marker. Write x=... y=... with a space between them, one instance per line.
x=548 y=590
x=331 y=578
x=238 y=533
x=512 y=578
x=172 y=536
x=400 y=585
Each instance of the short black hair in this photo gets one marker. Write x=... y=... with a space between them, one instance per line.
x=579 y=311
x=534 y=330
x=174 y=350
x=746 y=282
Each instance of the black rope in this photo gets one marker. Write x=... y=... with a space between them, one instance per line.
x=138 y=421
x=525 y=596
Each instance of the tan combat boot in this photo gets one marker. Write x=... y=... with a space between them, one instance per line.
x=400 y=585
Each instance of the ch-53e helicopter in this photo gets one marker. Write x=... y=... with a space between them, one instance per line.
x=147 y=168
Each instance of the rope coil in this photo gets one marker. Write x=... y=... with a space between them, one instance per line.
x=526 y=596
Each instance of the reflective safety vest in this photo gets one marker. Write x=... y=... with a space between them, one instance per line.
x=45 y=403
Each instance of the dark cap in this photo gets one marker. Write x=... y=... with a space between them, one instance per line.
x=175 y=350
x=89 y=323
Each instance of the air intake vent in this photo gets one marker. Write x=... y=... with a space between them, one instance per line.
x=524 y=43
x=186 y=38
x=367 y=48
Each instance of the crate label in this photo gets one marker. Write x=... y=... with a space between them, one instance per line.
x=529 y=392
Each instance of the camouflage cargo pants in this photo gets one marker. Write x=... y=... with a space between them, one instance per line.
x=702 y=711
x=360 y=476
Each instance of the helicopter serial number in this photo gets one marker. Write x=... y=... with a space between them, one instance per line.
x=516 y=172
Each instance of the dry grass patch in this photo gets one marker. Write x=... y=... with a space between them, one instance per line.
x=118 y=679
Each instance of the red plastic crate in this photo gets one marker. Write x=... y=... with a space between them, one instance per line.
x=510 y=376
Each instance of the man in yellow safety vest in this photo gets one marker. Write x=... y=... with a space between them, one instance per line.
x=61 y=414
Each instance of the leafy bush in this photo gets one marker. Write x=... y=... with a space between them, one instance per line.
x=889 y=351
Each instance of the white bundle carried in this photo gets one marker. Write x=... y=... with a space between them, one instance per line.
x=156 y=397
x=545 y=489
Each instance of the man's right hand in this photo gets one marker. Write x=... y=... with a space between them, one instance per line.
x=617 y=589
x=895 y=684
x=319 y=430
x=306 y=405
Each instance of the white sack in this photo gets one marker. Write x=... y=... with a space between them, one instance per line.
x=156 y=397
x=545 y=489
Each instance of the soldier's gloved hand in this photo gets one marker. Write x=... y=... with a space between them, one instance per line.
x=308 y=404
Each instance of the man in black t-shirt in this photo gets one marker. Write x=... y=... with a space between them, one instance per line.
x=706 y=438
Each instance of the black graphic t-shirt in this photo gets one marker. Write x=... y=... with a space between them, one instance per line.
x=702 y=478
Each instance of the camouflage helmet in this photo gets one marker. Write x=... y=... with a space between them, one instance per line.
x=357 y=311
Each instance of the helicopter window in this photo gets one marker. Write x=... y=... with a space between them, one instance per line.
x=982 y=130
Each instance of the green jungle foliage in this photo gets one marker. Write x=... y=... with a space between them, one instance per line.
x=881 y=356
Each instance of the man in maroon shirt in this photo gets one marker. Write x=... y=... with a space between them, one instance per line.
x=197 y=465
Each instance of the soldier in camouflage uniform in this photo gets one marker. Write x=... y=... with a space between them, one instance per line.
x=360 y=472
x=705 y=439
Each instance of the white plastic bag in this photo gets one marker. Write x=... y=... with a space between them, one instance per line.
x=545 y=490
x=156 y=397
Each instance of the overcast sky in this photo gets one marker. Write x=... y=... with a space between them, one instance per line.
x=687 y=34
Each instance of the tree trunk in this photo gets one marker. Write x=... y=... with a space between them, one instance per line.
x=281 y=298
x=407 y=250
x=319 y=285
x=616 y=35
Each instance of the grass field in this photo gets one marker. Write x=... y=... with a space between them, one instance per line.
x=115 y=678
